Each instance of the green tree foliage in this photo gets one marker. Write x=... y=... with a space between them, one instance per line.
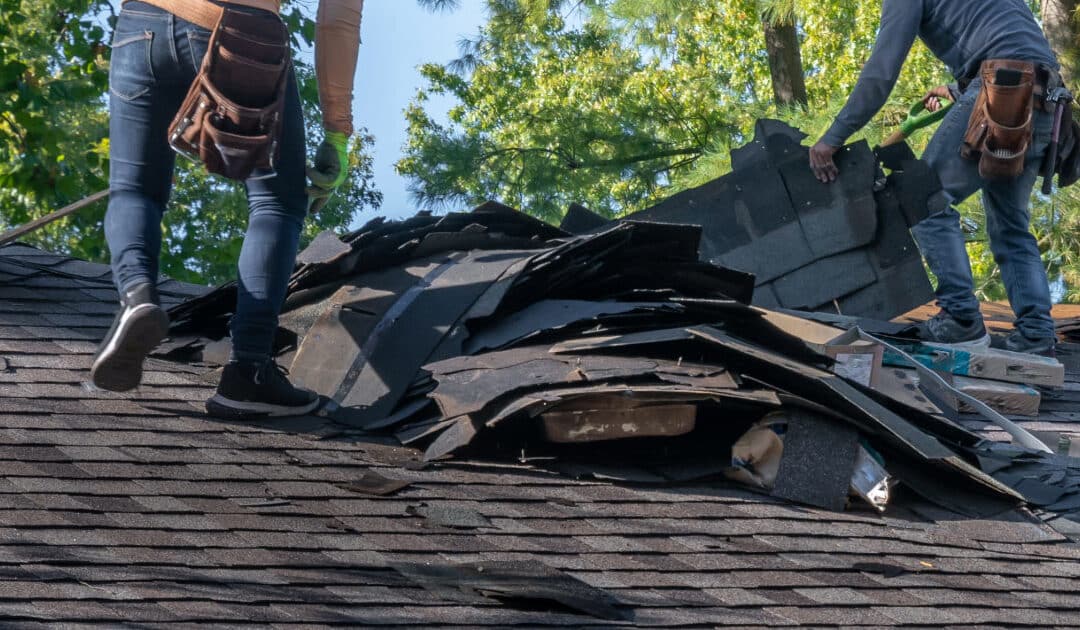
x=53 y=73
x=619 y=103
x=54 y=143
x=610 y=102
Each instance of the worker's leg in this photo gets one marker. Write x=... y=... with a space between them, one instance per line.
x=1015 y=249
x=278 y=207
x=251 y=384
x=141 y=105
x=146 y=87
x=939 y=236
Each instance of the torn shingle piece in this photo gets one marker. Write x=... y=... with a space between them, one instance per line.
x=898 y=290
x=894 y=155
x=839 y=217
x=586 y=344
x=516 y=583
x=325 y=249
x=441 y=242
x=467 y=385
x=580 y=220
x=774 y=143
x=458 y=434
x=373 y=484
x=601 y=471
x=448 y=516
x=546 y=315
x=818 y=461
x=349 y=318
x=819 y=281
x=919 y=190
x=405 y=413
x=419 y=430
x=409 y=331
x=894 y=244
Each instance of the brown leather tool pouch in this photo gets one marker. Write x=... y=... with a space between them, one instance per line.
x=999 y=130
x=231 y=117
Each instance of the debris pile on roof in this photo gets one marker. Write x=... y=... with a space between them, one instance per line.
x=569 y=355
x=621 y=354
x=138 y=507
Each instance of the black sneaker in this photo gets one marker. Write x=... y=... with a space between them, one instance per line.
x=252 y=390
x=138 y=328
x=943 y=328
x=1043 y=346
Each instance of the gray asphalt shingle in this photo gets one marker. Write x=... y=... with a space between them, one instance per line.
x=140 y=509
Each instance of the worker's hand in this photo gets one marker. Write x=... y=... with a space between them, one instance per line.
x=330 y=170
x=933 y=98
x=821 y=162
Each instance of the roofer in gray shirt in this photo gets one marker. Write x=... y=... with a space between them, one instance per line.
x=964 y=34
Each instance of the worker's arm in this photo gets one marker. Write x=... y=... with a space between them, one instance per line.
x=337 y=43
x=900 y=20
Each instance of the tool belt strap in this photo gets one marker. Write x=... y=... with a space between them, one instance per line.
x=198 y=12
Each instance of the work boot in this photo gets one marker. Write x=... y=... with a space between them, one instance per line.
x=943 y=328
x=138 y=328
x=254 y=390
x=1043 y=346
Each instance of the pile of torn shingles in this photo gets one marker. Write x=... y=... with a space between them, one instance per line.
x=846 y=247
x=615 y=355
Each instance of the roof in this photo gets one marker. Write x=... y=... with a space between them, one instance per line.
x=139 y=509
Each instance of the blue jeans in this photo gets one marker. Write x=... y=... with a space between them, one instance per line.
x=155 y=57
x=1008 y=216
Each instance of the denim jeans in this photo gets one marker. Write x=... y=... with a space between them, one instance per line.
x=155 y=57
x=1008 y=216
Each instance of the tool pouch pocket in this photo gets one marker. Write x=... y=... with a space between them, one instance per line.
x=999 y=131
x=231 y=117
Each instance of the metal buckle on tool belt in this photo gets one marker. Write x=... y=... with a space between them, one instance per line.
x=1047 y=82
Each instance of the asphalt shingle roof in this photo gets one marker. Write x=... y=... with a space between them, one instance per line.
x=138 y=510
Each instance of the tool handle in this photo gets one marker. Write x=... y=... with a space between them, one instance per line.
x=917 y=119
x=1052 y=152
x=1048 y=171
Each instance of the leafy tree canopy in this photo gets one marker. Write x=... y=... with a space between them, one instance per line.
x=617 y=104
x=54 y=143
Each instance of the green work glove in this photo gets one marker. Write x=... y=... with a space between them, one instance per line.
x=330 y=170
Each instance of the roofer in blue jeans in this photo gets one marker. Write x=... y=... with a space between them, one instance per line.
x=155 y=58
x=963 y=34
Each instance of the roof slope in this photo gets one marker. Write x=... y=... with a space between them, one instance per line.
x=139 y=509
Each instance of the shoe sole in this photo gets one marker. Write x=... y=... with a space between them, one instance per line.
x=221 y=407
x=118 y=367
x=983 y=343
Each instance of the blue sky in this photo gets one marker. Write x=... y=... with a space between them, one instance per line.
x=399 y=36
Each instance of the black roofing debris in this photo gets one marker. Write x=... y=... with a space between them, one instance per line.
x=845 y=246
x=629 y=352
x=516 y=584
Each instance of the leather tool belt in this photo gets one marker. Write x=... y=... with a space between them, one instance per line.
x=999 y=131
x=231 y=118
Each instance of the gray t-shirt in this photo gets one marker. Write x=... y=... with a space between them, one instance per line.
x=961 y=33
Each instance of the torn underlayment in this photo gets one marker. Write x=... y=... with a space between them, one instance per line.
x=621 y=354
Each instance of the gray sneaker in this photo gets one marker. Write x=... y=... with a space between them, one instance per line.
x=944 y=329
x=1043 y=346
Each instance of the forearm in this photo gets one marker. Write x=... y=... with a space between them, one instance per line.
x=337 y=43
x=866 y=100
x=899 y=26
